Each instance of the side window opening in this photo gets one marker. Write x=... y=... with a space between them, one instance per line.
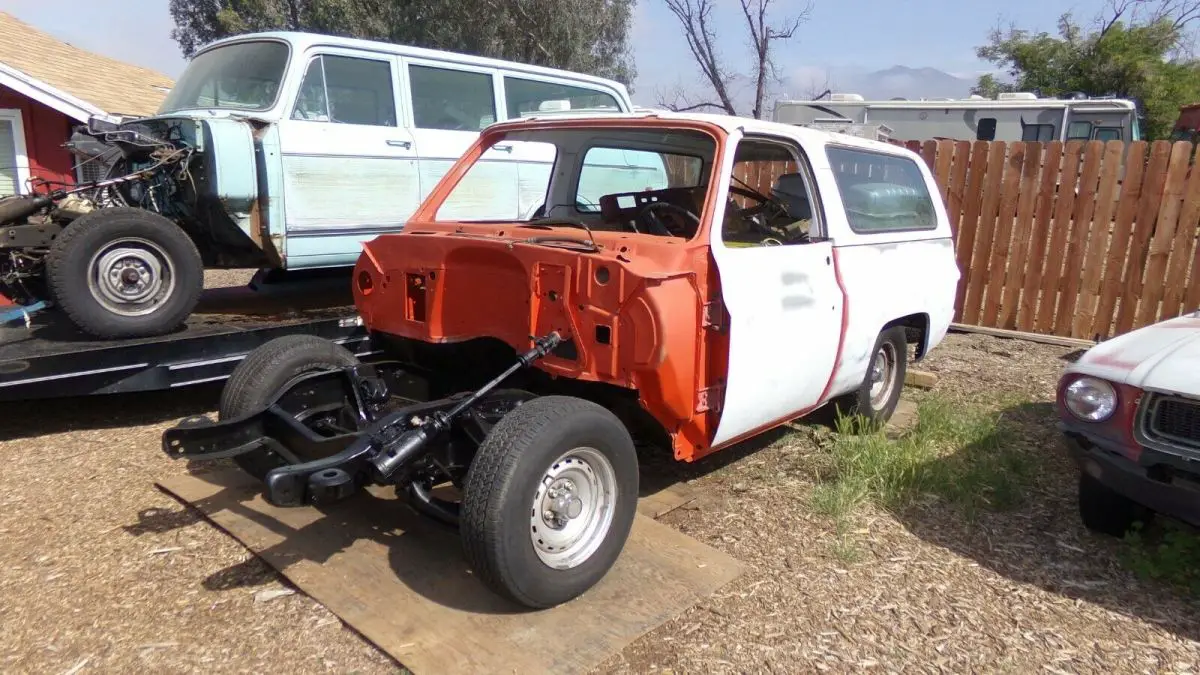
x=1079 y=131
x=347 y=90
x=451 y=100
x=770 y=198
x=1107 y=134
x=528 y=97
x=881 y=192
x=986 y=130
x=1040 y=133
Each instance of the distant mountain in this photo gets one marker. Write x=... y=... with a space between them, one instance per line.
x=896 y=81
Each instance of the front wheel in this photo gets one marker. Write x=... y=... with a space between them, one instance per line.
x=549 y=500
x=124 y=273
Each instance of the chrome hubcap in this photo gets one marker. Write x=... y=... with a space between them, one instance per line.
x=572 y=509
x=131 y=276
x=883 y=374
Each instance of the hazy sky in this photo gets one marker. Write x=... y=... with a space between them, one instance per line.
x=869 y=34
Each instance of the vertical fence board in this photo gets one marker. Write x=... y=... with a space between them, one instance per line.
x=1183 y=246
x=1052 y=158
x=1139 y=242
x=957 y=183
x=1057 y=247
x=969 y=223
x=1099 y=241
x=1159 y=251
x=1131 y=195
x=981 y=256
x=1077 y=238
x=1027 y=199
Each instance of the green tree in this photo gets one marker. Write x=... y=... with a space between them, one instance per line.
x=588 y=36
x=1137 y=49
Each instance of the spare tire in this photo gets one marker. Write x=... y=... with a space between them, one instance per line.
x=124 y=273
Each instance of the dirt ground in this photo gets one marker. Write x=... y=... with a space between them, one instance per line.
x=105 y=573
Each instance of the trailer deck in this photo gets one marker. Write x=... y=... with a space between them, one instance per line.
x=50 y=359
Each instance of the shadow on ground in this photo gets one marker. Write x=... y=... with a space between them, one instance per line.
x=1041 y=541
x=32 y=418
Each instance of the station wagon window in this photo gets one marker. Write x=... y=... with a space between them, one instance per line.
x=609 y=170
x=240 y=76
x=453 y=100
x=1040 y=133
x=347 y=90
x=524 y=97
x=770 y=200
x=881 y=192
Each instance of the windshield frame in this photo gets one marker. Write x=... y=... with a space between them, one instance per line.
x=279 y=89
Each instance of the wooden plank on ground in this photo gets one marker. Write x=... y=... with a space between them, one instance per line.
x=1002 y=239
x=982 y=255
x=1052 y=157
x=1111 y=284
x=920 y=379
x=401 y=581
x=1098 y=241
x=1056 y=248
x=1009 y=300
x=1023 y=335
x=968 y=226
x=1159 y=252
x=1139 y=242
x=1184 y=246
x=1077 y=241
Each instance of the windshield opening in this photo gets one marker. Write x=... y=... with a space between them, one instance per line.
x=604 y=178
x=240 y=76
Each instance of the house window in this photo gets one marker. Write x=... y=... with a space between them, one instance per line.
x=14 y=164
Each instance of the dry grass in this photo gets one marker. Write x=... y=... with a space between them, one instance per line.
x=887 y=573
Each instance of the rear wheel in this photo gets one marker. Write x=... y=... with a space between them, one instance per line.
x=124 y=273
x=265 y=373
x=549 y=500
x=879 y=393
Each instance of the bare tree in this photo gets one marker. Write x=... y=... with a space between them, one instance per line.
x=697 y=20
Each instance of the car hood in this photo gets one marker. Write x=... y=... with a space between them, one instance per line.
x=1164 y=357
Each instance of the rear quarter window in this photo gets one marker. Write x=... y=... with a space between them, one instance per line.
x=881 y=192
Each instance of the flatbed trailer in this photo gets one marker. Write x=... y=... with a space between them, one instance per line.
x=44 y=357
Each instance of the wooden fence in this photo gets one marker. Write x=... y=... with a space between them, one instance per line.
x=1083 y=239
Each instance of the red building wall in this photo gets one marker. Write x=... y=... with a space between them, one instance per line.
x=46 y=130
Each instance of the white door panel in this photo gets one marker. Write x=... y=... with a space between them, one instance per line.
x=785 y=309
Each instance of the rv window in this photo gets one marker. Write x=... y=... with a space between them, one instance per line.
x=526 y=97
x=881 y=193
x=454 y=100
x=1040 y=133
x=987 y=129
x=1080 y=131
x=1107 y=134
x=347 y=90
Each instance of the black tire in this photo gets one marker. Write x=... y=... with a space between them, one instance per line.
x=264 y=373
x=78 y=254
x=859 y=402
x=1106 y=511
x=504 y=480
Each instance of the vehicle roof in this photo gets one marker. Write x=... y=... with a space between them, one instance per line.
x=301 y=40
x=730 y=123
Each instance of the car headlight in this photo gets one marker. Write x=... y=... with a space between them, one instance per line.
x=1091 y=399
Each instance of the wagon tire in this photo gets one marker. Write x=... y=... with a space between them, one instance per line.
x=264 y=373
x=1106 y=511
x=549 y=500
x=124 y=273
x=887 y=369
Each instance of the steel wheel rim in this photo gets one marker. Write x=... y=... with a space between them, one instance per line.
x=883 y=374
x=131 y=276
x=573 y=508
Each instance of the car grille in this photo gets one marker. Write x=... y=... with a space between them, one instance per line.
x=1173 y=421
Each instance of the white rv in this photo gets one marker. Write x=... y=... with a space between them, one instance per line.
x=1017 y=116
